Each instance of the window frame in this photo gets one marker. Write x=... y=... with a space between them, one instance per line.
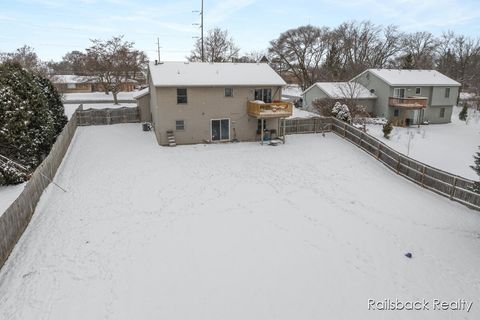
x=179 y=96
x=396 y=112
x=447 y=92
x=442 y=112
x=183 y=125
x=225 y=92
x=265 y=93
x=419 y=90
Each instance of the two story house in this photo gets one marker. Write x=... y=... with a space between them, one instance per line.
x=411 y=96
x=195 y=102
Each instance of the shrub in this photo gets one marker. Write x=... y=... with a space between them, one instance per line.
x=464 y=113
x=341 y=112
x=387 y=129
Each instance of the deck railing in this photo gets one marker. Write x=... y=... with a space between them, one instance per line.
x=269 y=110
x=410 y=102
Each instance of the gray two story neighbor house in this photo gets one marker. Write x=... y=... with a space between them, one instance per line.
x=411 y=96
x=195 y=102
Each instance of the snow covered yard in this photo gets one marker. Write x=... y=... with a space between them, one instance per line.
x=8 y=194
x=449 y=147
x=307 y=230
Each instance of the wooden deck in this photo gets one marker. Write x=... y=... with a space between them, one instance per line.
x=269 y=110
x=409 y=103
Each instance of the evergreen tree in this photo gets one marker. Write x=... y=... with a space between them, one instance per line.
x=387 y=129
x=407 y=62
x=463 y=114
x=31 y=117
x=476 y=168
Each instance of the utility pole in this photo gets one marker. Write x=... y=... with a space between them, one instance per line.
x=158 y=49
x=201 y=26
x=202 y=50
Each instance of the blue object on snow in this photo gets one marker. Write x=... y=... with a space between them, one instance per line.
x=408 y=255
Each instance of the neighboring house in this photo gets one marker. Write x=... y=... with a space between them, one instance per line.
x=82 y=84
x=72 y=83
x=411 y=96
x=212 y=102
x=338 y=91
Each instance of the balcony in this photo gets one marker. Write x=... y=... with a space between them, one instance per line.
x=409 y=103
x=260 y=109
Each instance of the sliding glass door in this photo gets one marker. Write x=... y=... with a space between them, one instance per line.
x=220 y=129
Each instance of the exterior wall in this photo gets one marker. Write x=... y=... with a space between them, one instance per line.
x=311 y=95
x=143 y=104
x=203 y=105
x=432 y=114
x=438 y=96
x=382 y=91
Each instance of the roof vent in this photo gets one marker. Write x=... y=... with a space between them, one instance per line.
x=156 y=62
x=186 y=62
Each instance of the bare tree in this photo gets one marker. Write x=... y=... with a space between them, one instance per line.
x=111 y=61
x=27 y=58
x=218 y=47
x=420 y=48
x=300 y=52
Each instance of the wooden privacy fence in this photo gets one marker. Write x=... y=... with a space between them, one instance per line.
x=107 y=116
x=17 y=216
x=306 y=125
x=446 y=184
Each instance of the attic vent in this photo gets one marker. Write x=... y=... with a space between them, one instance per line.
x=372 y=90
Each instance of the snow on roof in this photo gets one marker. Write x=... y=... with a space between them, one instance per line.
x=292 y=90
x=70 y=78
x=141 y=93
x=344 y=90
x=396 y=77
x=171 y=74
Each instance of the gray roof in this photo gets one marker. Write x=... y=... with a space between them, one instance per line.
x=175 y=74
x=400 y=77
x=343 y=90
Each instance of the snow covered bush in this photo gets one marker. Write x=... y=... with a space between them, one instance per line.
x=9 y=174
x=387 y=129
x=341 y=112
x=31 y=116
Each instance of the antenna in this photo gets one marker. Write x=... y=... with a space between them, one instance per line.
x=158 y=49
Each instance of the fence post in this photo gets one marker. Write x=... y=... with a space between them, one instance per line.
x=378 y=150
x=344 y=130
x=398 y=165
x=315 y=125
x=423 y=177
x=298 y=125
x=453 y=190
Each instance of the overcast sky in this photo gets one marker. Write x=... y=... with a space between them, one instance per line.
x=54 y=27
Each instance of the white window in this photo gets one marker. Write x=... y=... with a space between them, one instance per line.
x=418 y=90
x=399 y=92
x=447 y=92
x=179 y=125
x=228 y=92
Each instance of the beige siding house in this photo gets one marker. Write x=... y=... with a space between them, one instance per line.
x=215 y=102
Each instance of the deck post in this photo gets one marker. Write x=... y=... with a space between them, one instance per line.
x=261 y=132
x=284 y=130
